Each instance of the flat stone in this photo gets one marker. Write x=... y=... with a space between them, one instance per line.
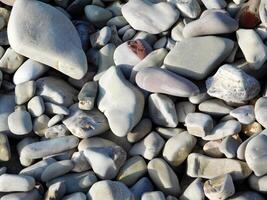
x=220 y=187
x=56 y=90
x=142 y=186
x=215 y=107
x=150 y=22
x=198 y=124
x=11 y=61
x=177 y=148
x=5 y=152
x=87 y=95
x=124 y=117
x=223 y=129
x=76 y=182
x=162 y=110
x=189 y=57
x=20 y=122
x=159 y=80
x=49 y=147
x=132 y=170
x=36 y=106
x=112 y=190
x=85 y=124
x=113 y=157
x=194 y=191
x=29 y=70
x=140 y=130
x=255 y=154
x=16 y=183
x=163 y=176
x=149 y=147
x=56 y=169
x=206 y=167
x=252 y=47
x=232 y=85
x=61 y=50
x=244 y=114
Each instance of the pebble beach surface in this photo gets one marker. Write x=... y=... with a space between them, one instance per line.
x=133 y=99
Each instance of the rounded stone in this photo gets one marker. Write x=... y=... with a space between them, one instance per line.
x=36 y=106
x=24 y=92
x=140 y=130
x=16 y=183
x=20 y=122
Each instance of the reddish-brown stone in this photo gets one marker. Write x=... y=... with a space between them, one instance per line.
x=138 y=48
x=248 y=19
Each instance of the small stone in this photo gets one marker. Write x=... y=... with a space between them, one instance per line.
x=219 y=188
x=97 y=15
x=49 y=147
x=212 y=149
x=123 y=118
x=118 y=22
x=149 y=147
x=251 y=129
x=214 y=4
x=177 y=148
x=168 y=133
x=112 y=190
x=188 y=57
x=198 y=124
x=153 y=195
x=11 y=61
x=223 y=129
x=29 y=70
x=61 y=50
x=76 y=182
x=189 y=8
x=258 y=183
x=202 y=166
x=252 y=47
x=16 y=183
x=194 y=191
x=55 y=191
x=140 y=130
x=162 y=110
x=106 y=161
x=260 y=111
x=229 y=146
x=24 y=92
x=215 y=107
x=56 y=169
x=85 y=124
x=36 y=106
x=55 y=120
x=76 y=196
x=244 y=114
x=101 y=37
x=87 y=95
x=5 y=153
x=132 y=170
x=80 y=162
x=142 y=186
x=77 y=6
x=163 y=176
x=95 y=142
x=183 y=108
x=211 y=22
x=40 y=124
x=20 y=122
x=33 y=194
x=150 y=22
x=232 y=85
x=159 y=80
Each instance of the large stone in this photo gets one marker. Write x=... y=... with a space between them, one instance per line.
x=190 y=58
x=232 y=85
x=148 y=15
x=127 y=105
x=16 y=183
x=60 y=47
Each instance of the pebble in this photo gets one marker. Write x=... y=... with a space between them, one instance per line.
x=178 y=147
x=247 y=195
x=49 y=147
x=252 y=47
x=55 y=191
x=132 y=170
x=10 y=61
x=252 y=128
x=33 y=194
x=56 y=169
x=223 y=129
x=153 y=195
x=215 y=107
x=76 y=196
x=95 y=142
x=80 y=163
x=229 y=146
x=101 y=37
x=202 y=166
x=189 y=58
x=142 y=186
x=55 y=90
x=183 y=108
x=54 y=109
x=24 y=92
x=214 y=4
x=189 y=8
x=77 y=6
x=7 y=104
x=167 y=133
x=55 y=120
x=162 y=110
x=123 y=119
x=211 y=22
x=260 y=107
x=112 y=157
x=149 y=147
x=87 y=95
x=29 y=70
x=118 y=21
x=97 y=15
x=20 y=122
x=5 y=152
x=150 y=22
x=232 y=85
x=194 y=191
x=36 y=106
x=61 y=50
x=220 y=187
x=262 y=12
x=159 y=80
x=140 y=130
x=112 y=190
x=198 y=124
x=244 y=114
x=76 y=182
x=258 y=183
x=163 y=177
x=40 y=124
x=16 y=183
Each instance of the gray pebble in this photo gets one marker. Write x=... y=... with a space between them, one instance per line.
x=24 y=92
x=16 y=183
x=20 y=122
x=36 y=106
x=140 y=130
x=88 y=95
x=55 y=120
